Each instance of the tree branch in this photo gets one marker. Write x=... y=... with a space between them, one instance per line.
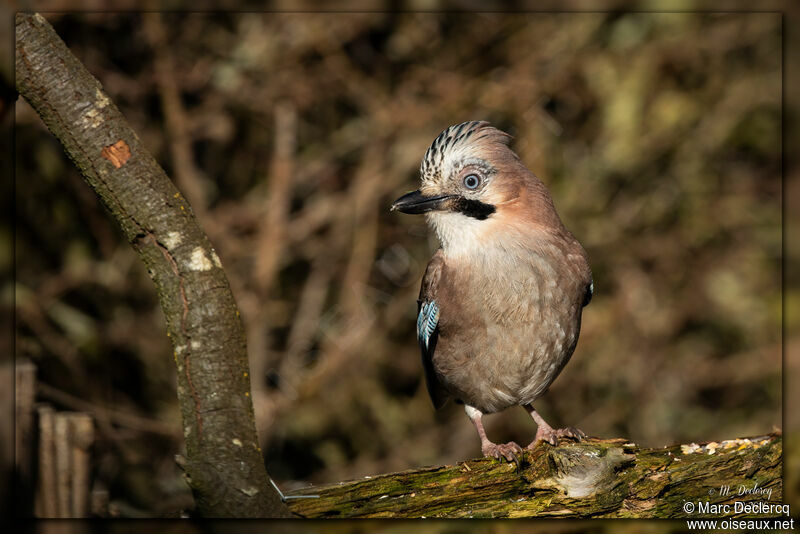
x=224 y=462
x=595 y=478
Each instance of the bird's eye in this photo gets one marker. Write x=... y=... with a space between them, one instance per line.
x=472 y=181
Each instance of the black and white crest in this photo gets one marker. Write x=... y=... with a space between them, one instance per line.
x=448 y=141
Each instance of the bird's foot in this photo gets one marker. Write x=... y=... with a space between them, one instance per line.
x=551 y=435
x=509 y=451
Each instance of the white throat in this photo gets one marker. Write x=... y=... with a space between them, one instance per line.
x=459 y=234
x=487 y=245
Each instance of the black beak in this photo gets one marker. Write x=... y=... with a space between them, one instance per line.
x=416 y=203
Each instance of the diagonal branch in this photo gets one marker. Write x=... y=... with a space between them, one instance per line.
x=224 y=462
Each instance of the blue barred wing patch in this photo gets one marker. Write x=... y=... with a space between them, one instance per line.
x=427 y=320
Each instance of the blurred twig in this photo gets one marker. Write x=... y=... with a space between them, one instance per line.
x=108 y=415
x=270 y=246
x=306 y=320
x=188 y=177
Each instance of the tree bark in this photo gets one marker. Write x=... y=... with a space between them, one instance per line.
x=595 y=478
x=224 y=464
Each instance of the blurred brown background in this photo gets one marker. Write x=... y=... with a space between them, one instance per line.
x=659 y=136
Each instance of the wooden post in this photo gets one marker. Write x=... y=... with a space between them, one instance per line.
x=46 y=500
x=63 y=464
x=81 y=429
x=24 y=396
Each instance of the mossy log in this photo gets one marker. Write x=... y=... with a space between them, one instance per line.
x=594 y=478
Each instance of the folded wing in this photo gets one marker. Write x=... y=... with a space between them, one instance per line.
x=428 y=326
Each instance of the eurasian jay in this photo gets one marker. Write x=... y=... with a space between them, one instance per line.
x=499 y=310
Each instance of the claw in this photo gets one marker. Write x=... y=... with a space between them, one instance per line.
x=551 y=435
x=572 y=432
x=517 y=461
x=508 y=451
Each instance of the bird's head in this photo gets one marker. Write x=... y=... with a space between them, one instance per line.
x=474 y=186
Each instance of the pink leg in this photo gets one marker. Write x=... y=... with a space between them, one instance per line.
x=547 y=433
x=506 y=450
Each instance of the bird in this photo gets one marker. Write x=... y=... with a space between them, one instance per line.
x=500 y=304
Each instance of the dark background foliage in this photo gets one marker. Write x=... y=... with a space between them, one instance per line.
x=659 y=136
